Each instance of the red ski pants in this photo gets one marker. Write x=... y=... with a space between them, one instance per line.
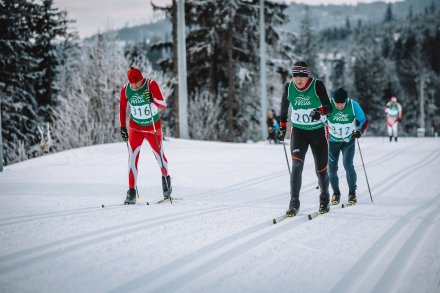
x=135 y=139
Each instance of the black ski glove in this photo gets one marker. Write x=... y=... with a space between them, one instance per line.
x=315 y=114
x=357 y=133
x=148 y=96
x=124 y=134
x=282 y=133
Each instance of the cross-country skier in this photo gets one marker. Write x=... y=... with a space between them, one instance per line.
x=145 y=98
x=394 y=114
x=346 y=122
x=309 y=100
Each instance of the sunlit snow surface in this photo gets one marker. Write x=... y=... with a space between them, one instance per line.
x=56 y=237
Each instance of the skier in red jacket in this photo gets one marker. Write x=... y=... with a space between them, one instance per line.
x=145 y=99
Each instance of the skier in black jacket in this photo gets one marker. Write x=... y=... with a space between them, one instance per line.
x=309 y=100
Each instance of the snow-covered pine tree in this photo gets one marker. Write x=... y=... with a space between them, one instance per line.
x=409 y=68
x=368 y=80
x=50 y=29
x=307 y=47
x=70 y=117
x=169 y=66
x=18 y=105
x=202 y=122
x=102 y=78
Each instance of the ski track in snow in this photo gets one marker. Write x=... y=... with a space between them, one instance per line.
x=234 y=187
x=237 y=250
x=16 y=220
x=382 y=267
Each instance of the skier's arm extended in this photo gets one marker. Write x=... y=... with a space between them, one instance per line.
x=284 y=106
x=360 y=117
x=323 y=96
x=400 y=110
x=158 y=100
x=123 y=108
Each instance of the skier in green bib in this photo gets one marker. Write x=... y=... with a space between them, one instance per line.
x=346 y=122
x=394 y=115
x=144 y=98
x=308 y=99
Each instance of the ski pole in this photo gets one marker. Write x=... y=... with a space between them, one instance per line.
x=287 y=159
x=129 y=156
x=158 y=146
x=366 y=177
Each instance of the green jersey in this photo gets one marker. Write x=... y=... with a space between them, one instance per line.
x=303 y=102
x=341 y=122
x=393 y=110
x=141 y=110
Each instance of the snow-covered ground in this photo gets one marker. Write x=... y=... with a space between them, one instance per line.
x=56 y=237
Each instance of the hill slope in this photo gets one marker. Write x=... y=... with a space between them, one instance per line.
x=220 y=237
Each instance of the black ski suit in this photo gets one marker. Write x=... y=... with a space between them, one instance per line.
x=300 y=140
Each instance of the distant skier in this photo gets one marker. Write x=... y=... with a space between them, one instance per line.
x=309 y=100
x=346 y=122
x=272 y=127
x=394 y=115
x=145 y=98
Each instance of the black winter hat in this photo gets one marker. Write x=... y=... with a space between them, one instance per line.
x=340 y=96
x=300 y=68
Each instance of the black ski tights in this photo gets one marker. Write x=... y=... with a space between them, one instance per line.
x=296 y=178
x=323 y=182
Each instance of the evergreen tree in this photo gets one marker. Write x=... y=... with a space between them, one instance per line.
x=432 y=7
x=19 y=118
x=387 y=44
x=337 y=73
x=430 y=52
x=307 y=46
x=368 y=74
x=409 y=69
x=410 y=12
x=388 y=14
x=170 y=65
x=50 y=28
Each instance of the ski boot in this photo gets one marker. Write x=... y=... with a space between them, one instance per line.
x=336 y=198
x=293 y=207
x=166 y=187
x=131 y=196
x=324 y=200
x=352 y=197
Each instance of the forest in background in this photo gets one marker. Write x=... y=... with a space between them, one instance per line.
x=59 y=92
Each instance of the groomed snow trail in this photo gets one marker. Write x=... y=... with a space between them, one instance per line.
x=56 y=237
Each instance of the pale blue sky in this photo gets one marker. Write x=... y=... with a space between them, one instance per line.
x=97 y=15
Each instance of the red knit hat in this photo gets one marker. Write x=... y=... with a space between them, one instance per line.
x=134 y=75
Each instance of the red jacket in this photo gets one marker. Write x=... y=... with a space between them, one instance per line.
x=159 y=101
